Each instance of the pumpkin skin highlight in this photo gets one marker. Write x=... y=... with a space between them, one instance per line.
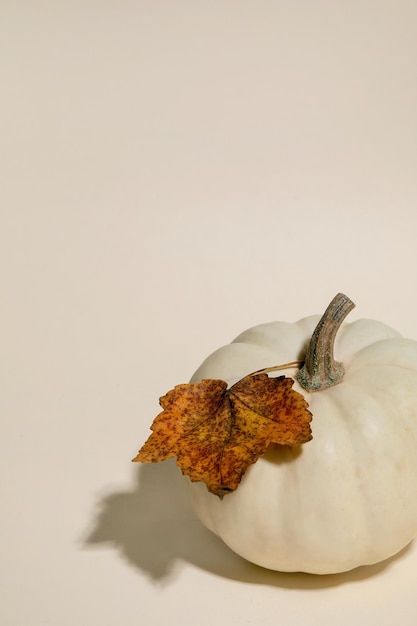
x=349 y=496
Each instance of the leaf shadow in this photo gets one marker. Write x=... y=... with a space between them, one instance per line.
x=154 y=528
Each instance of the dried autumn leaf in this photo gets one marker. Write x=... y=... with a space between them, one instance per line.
x=216 y=432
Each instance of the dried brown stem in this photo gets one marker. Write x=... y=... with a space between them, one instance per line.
x=320 y=370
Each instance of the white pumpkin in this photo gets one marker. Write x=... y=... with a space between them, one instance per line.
x=349 y=496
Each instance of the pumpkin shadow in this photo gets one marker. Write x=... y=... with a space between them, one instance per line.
x=154 y=528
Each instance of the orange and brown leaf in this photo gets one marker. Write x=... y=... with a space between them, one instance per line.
x=216 y=433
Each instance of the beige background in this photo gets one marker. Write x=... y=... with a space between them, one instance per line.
x=173 y=172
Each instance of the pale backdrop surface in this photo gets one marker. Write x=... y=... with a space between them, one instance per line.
x=171 y=174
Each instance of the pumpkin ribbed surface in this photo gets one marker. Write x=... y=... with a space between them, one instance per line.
x=349 y=496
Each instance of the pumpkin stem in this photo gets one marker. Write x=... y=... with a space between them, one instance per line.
x=320 y=370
